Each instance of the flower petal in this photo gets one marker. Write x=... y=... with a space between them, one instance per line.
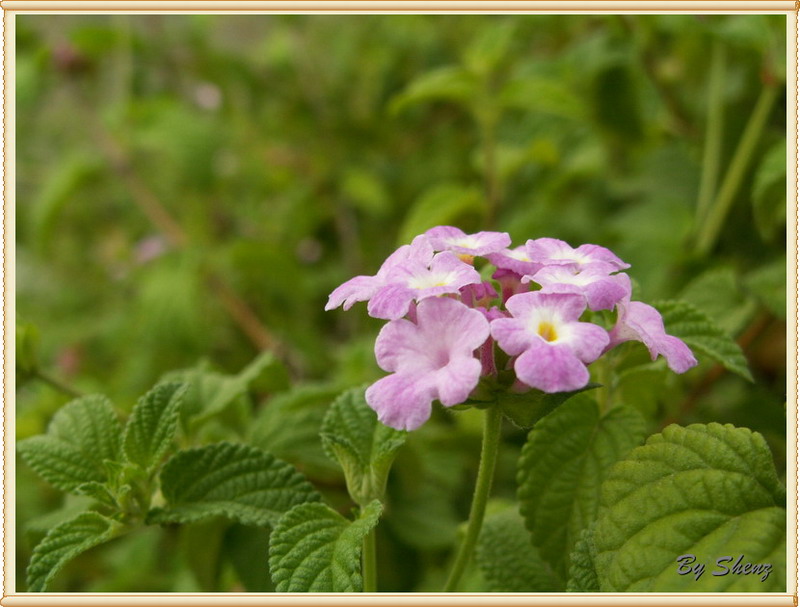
x=401 y=401
x=457 y=379
x=551 y=368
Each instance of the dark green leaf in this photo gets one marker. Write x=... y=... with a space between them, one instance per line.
x=240 y=482
x=315 y=549
x=561 y=468
x=582 y=574
x=529 y=407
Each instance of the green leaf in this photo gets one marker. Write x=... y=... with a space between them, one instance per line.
x=450 y=83
x=700 y=333
x=545 y=95
x=486 y=51
x=582 y=573
x=704 y=490
x=237 y=481
x=315 y=549
x=561 y=468
x=507 y=559
x=65 y=542
x=152 y=425
x=352 y=435
x=529 y=407
x=81 y=436
x=443 y=204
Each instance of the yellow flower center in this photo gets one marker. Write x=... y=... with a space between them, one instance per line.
x=547 y=331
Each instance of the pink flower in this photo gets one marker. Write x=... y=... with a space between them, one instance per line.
x=363 y=288
x=601 y=290
x=551 y=345
x=414 y=280
x=448 y=238
x=640 y=322
x=516 y=260
x=551 y=251
x=430 y=359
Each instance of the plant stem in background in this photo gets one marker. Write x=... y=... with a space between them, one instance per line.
x=491 y=440
x=712 y=149
x=712 y=226
x=368 y=563
x=57 y=384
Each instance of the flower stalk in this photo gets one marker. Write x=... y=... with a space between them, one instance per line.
x=491 y=440
x=369 y=572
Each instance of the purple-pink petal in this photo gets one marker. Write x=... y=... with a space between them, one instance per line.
x=359 y=288
x=449 y=238
x=601 y=290
x=402 y=402
x=551 y=368
x=551 y=251
x=516 y=260
x=641 y=322
x=432 y=358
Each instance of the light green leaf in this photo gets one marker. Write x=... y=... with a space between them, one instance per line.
x=529 y=407
x=443 y=204
x=545 y=95
x=315 y=549
x=700 y=333
x=561 y=468
x=709 y=491
x=152 y=425
x=582 y=574
x=487 y=50
x=365 y=448
x=450 y=83
x=506 y=557
x=238 y=481
x=65 y=542
x=81 y=436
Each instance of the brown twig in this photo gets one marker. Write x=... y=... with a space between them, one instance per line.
x=238 y=309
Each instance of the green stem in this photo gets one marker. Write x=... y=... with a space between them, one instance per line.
x=733 y=178
x=712 y=150
x=368 y=563
x=57 y=384
x=483 y=485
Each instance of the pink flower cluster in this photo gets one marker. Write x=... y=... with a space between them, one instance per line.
x=444 y=319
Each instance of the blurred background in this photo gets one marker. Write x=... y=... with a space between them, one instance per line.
x=189 y=189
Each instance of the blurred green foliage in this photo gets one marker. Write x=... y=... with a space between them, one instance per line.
x=191 y=187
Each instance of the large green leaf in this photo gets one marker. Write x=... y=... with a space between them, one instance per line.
x=365 y=448
x=316 y=549
x=506 y=557
x=700 y=333
x=702 y=491
x=66 y=541
x=238 y=481
x=152 y=425
x=81 y=436
x=562 y=467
